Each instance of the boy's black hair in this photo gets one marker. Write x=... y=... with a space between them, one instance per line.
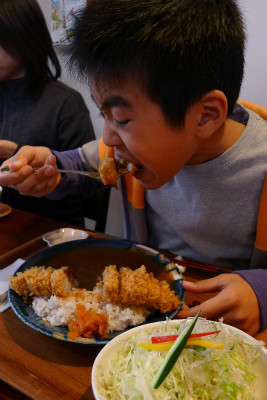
x=177 y=50
x=24 y=34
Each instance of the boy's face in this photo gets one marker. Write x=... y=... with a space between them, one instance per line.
x=136 y=127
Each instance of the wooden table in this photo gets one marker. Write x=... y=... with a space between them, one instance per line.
x=32 y=365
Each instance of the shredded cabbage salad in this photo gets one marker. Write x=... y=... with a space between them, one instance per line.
x=199 y=373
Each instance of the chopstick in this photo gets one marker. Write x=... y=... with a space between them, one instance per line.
x=196 y=269
x=195 y=265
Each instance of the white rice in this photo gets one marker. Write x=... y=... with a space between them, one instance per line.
x=55 y=310
x=121 y=317
x=59 y=310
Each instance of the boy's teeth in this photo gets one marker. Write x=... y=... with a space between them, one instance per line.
x=124 y=166
x=121 y=165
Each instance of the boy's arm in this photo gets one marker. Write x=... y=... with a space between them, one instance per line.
x=257 y=279
x=236 y=301
x=24 y=178
x=72 y=183
x=46 y=180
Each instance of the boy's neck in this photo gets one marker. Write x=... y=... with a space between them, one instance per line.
x=219 y=142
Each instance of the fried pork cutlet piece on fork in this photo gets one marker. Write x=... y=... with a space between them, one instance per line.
x=41 y=281
x=138 y=287
x=110 y=169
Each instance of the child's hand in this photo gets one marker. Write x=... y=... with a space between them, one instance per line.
x=236 y=302
x=24 y=179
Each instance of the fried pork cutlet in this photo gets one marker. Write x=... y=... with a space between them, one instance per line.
x=111 y=282
x=110 y=169
x=41 y=281
x=138 y=287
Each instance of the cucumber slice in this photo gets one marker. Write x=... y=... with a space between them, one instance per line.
x=173 y=354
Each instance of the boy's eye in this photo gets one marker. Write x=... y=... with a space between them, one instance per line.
x=121 y=124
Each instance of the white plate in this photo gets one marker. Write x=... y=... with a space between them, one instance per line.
x=110 y=350
x=64 y=235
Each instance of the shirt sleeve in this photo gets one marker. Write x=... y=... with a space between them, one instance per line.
x=72 y=183
x=257 y=278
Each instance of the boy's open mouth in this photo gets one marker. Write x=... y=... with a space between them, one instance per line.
x=124 y=166
x=135 y=168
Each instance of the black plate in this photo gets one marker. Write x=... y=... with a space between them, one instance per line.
x=88 y=259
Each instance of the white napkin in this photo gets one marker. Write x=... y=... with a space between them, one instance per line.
x=4 y=283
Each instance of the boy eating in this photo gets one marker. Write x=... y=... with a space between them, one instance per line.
x=166 y=75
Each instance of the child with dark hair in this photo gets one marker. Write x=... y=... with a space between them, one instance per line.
x=35 y=108
x=166 y=76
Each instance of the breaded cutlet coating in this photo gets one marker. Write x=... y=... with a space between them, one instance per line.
x=108 y=171
x=167 y=300
x=33 y=282
x=19 y=285
x=61 y=284
x=38 y=280
x=42 y=281
x=133 y=286
x=139 y=288
x=111 y=283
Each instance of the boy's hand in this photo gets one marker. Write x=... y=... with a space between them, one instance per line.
x=236 y=302
x=24 y=179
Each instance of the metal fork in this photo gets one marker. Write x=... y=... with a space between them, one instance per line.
x=94 y=175
x=91 y=174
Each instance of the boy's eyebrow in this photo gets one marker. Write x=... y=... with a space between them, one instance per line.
x=113 y=101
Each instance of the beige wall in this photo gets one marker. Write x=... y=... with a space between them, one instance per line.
x=255 y=80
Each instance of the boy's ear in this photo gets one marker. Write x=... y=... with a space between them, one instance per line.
x=212 y=113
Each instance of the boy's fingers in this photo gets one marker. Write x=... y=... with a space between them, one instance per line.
x=14 y=165
x=27 y=181
x=207 y=285
x=51 y=160
x=40 y=183
x=213 y=308
x=14 y=178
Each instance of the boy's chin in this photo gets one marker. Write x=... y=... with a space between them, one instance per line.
x=152 y=184
x=148 y=180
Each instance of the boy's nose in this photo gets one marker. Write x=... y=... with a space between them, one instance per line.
x=111 y=137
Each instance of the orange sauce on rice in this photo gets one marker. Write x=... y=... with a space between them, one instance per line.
x=88 y=324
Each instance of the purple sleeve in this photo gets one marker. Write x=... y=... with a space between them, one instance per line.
x=257 y=278
x=72 y=183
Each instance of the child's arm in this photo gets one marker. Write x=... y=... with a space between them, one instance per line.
x=73 y=183
x=236 y=301
x=46 y=182
x=24 y=179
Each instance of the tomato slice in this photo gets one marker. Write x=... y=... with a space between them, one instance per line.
x=172 y=338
